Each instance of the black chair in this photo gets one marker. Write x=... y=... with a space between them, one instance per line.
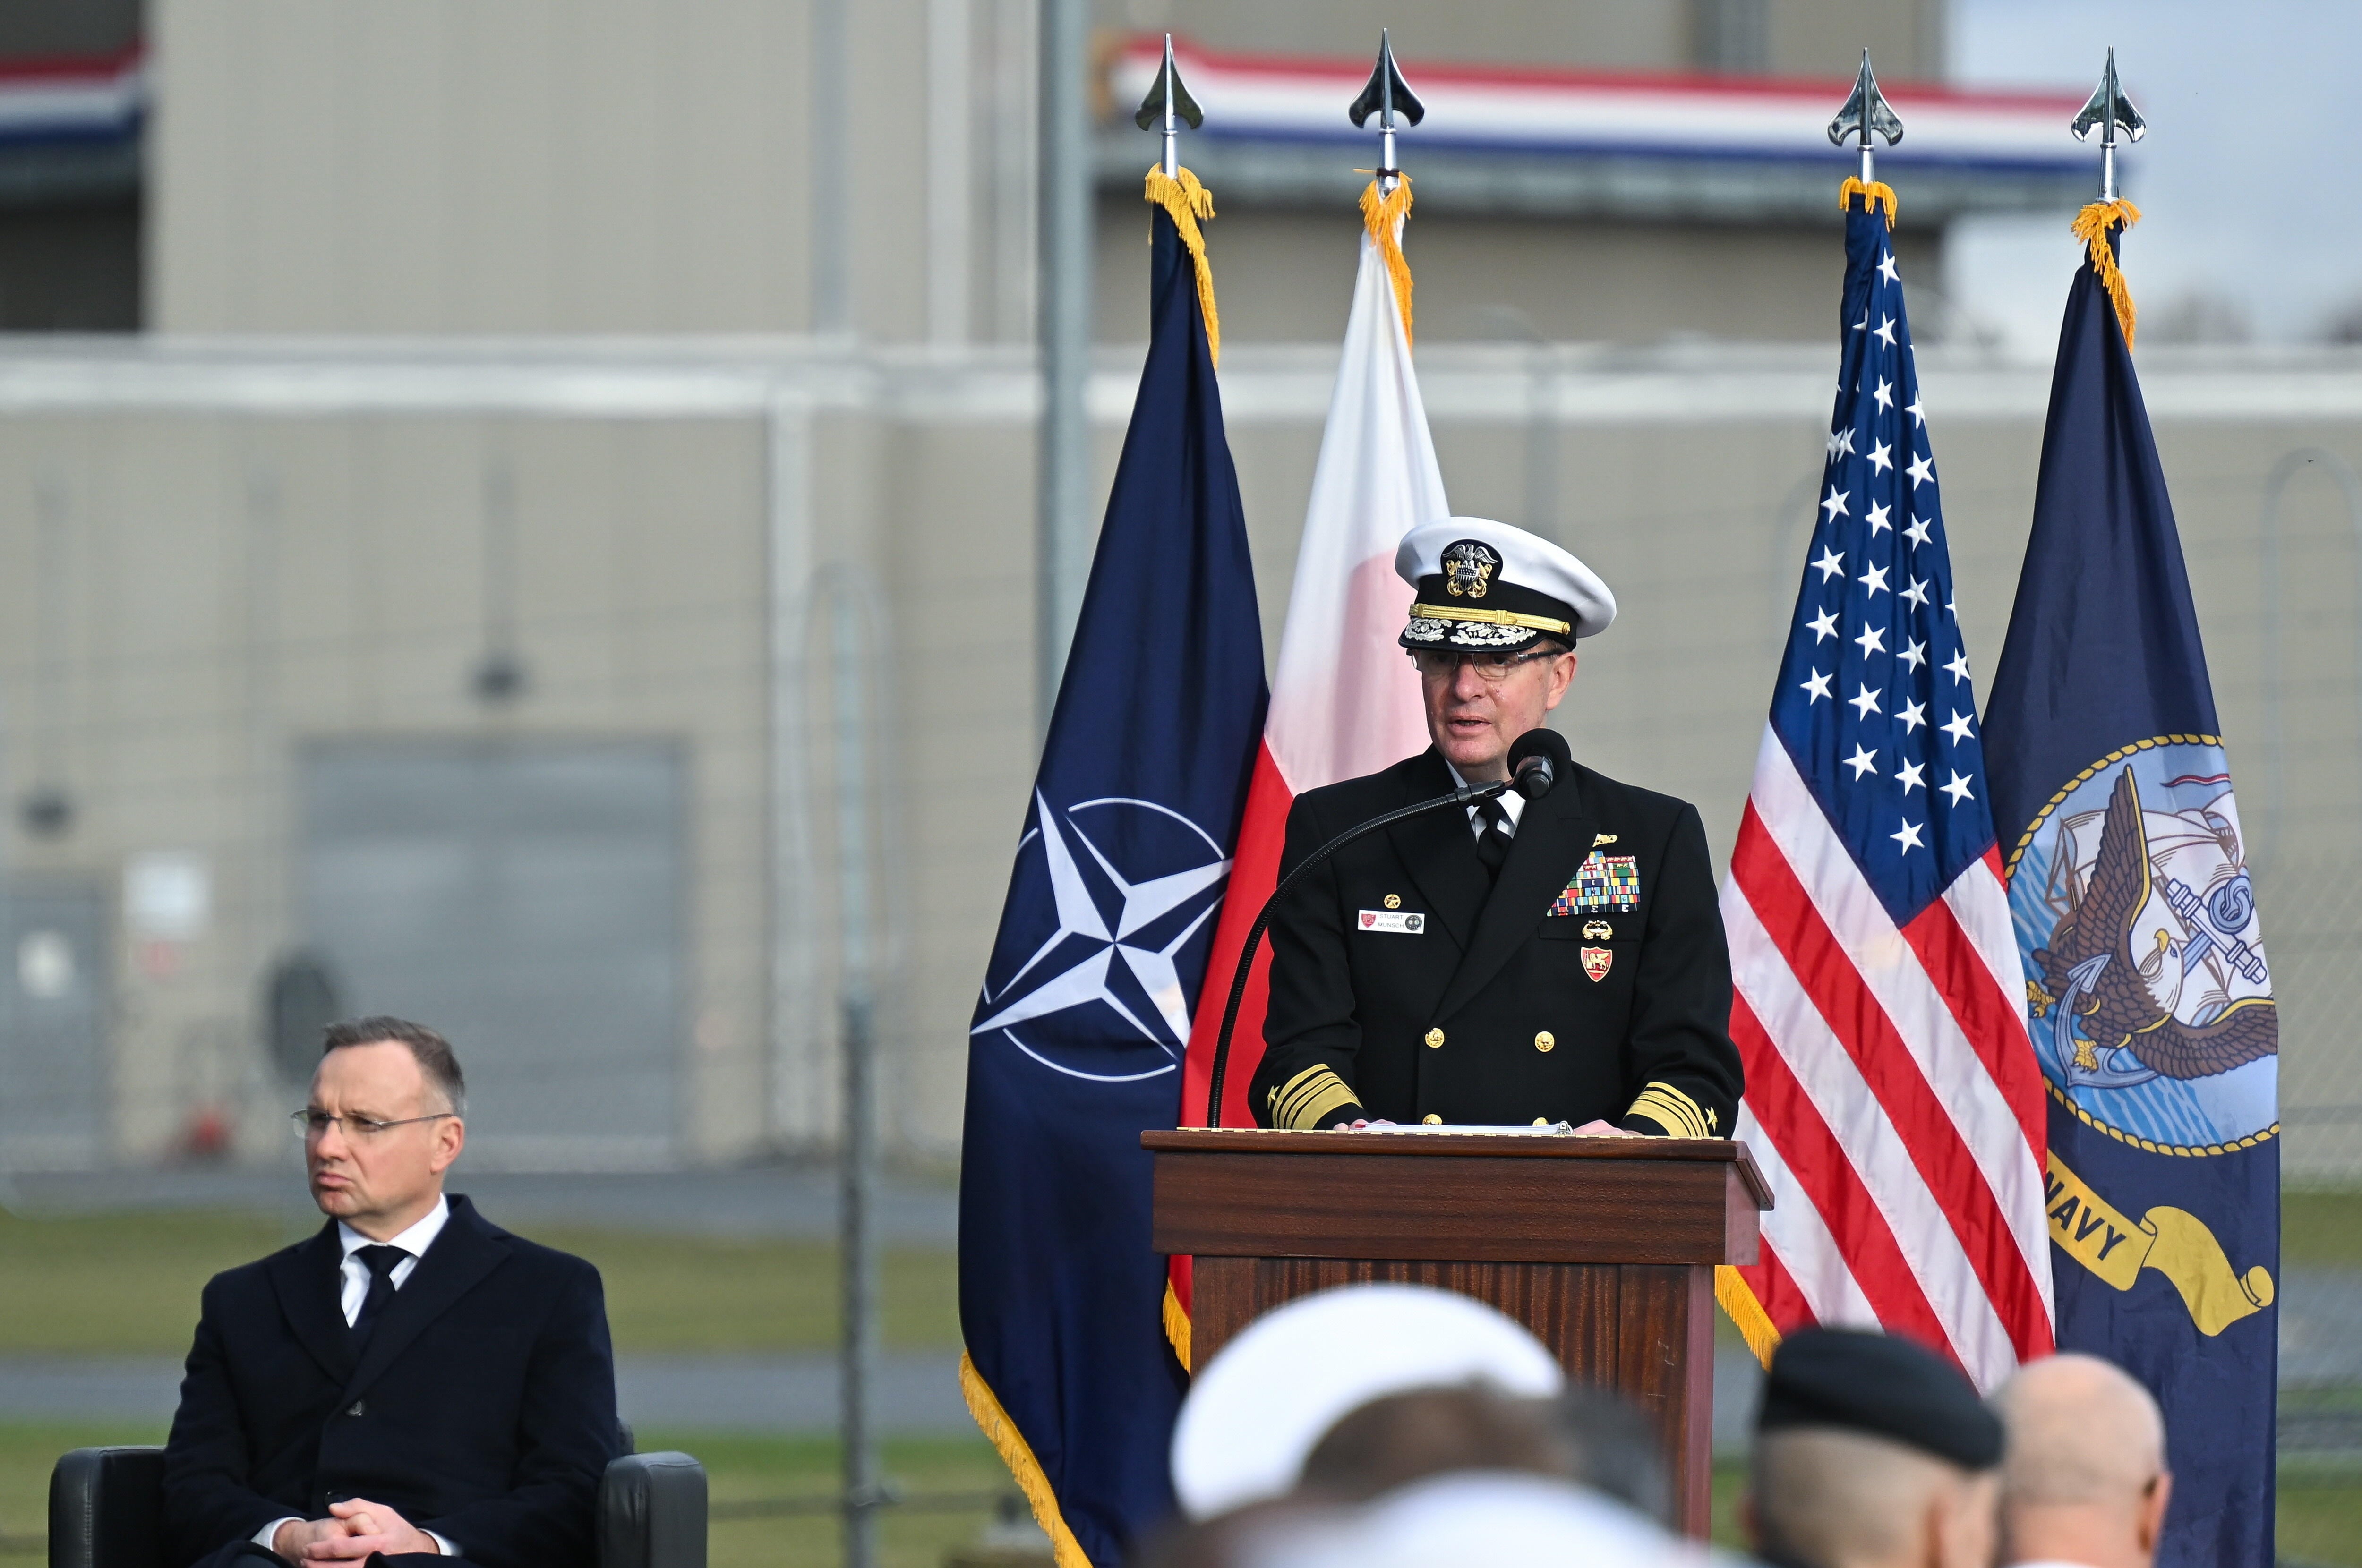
x=106 y=1510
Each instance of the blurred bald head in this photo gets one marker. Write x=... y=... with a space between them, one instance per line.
x=2083 y=1479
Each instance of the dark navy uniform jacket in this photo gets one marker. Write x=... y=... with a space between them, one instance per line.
x=1590 y=982
x=483 y=1409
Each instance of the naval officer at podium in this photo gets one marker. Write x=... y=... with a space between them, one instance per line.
x=1518 y=961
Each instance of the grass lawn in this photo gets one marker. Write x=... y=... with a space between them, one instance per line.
x=129 y=1284
x=2321 y=1228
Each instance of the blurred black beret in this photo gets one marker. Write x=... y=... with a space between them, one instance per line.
x=1882 y=1385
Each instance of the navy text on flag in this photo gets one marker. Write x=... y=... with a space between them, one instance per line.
x=2148 y=997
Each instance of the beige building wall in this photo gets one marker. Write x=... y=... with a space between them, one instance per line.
x=615 y=166
x=242 y=581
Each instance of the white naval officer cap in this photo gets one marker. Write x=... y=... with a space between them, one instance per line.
x=1256 y=1412
x=1483 y=584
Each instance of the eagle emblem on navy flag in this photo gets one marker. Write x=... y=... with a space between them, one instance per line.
x=1468 y=568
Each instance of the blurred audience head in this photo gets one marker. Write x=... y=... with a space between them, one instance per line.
x=1470 y=1519
x=1614 y=1451
x=1256 y=1412
x=1872 y=1453
x=2084 y=1479
x=1403 y=1438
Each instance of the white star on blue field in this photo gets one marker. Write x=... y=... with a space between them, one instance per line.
x=1874 y=702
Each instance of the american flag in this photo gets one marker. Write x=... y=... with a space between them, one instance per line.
x=1892 y=1096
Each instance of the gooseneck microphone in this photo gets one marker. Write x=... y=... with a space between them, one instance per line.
x=1537 y=760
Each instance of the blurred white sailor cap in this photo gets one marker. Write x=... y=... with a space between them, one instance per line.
x=1258 y=1408
x=1483 y=584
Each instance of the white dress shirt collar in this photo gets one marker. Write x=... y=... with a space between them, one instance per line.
x=414 y=1241
x=1512 y=802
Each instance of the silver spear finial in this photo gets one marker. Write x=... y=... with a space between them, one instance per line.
x=1863 y=113
x=1389 y=97
x=1168 y=99
x=2111 y=111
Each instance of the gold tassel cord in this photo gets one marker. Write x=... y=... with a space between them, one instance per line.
x=1383 y=214
x=1746 y=1313
x=1018 y=1455
x=1877 y=194
x=1187 y=201
x=2092 y=226
x=1176 y=1325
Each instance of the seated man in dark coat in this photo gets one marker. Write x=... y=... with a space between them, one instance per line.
x=414 y=1380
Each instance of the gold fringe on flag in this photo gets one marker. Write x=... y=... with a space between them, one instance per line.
x=1746 y=1313
x=1383 y=213
x=1018 y=1455
x=1176 y=1325
x=1186 y=201
x=2091 y=226
x=1875 y=194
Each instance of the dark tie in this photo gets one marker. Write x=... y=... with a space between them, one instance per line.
x=1493 y=844
x=381 y=1262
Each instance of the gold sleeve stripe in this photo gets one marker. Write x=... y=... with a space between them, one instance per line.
x=1310 y=1099
x=1676 y=1112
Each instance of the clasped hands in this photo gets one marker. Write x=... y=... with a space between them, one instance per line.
x=353 y=1530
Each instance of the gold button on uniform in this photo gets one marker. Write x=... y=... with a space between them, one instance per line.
x=1434 y=1038
x=1393 y=901
x=1544 y=1040
x=1433 y=1119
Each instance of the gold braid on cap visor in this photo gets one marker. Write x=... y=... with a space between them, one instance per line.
x=1490 y=617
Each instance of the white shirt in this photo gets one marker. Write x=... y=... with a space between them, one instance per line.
x=415 y=1241
x=1512 y=802
x=353 y=1277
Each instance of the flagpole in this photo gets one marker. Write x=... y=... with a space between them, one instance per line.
x=2110 y=110
x=1866 y=111
x=1389 y=97
x=1065 y=327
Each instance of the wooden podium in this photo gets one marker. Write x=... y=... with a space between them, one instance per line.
x=1604 y=1247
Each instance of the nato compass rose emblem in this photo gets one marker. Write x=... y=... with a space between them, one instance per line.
x=1124 y=887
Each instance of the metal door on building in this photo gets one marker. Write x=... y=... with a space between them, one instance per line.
x=54 y=986
x=523 y=897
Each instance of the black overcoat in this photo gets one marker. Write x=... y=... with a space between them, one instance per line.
x=485 y=1408
x=1404 y=986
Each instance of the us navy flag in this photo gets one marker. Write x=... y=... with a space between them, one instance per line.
x=1078 y=1036
x=2149 y=993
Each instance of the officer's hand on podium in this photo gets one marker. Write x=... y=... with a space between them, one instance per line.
x=1361 y=1123
x=1604 y=1130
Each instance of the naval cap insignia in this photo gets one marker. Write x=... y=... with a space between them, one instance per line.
x=1468 y=568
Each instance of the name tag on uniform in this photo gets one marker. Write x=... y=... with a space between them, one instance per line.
x=1402 y=922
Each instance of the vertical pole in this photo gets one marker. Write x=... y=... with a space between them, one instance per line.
x=950 y=170
x=864 y=1486
x=831 y=269
x=1064 y=322
x=788 y=483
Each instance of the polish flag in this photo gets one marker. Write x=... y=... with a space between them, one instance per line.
x=1344 y=700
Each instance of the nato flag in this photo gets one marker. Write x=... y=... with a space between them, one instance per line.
x=1078 y=1036
x=2148 y=995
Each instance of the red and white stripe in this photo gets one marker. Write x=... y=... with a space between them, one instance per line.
x=1893 y=1096
x=1344 y=700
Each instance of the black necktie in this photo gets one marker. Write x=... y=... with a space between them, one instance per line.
x=1493 y=844
x=381 y=1262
